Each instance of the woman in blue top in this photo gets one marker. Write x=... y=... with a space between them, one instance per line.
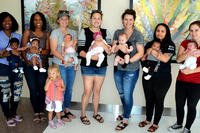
x=126 y=78
x=10 y=82
x=67 y=72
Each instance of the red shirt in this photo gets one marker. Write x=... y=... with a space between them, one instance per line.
x=191 y=78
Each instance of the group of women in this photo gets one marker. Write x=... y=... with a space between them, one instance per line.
x=93 y=77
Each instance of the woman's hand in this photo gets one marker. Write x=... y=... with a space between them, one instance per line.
x=95 y=57
x=195 y=53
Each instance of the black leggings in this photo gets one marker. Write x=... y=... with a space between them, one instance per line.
x=191 y=93
x=155 y=91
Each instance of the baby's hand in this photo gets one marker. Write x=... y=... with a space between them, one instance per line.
x=130 y=49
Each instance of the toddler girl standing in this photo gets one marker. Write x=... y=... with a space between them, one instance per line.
x=54 y=88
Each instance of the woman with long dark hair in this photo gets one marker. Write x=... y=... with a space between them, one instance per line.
x=155 y=91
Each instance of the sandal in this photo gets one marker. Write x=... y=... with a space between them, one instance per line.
x=85 y=120
x=43 y=116
x=152 y=128
x=36 y=118
x=99 y=118
x=121 y=126
x=119 y=118
x=70 y=115
x=143 y=123
x=66 y=118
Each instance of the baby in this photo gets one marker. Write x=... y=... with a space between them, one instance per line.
x=121 y=57
x=15 y=62
x=95 y=49
x=190 y=62
x=35 y=57
x=149 y=63
x=68 y=50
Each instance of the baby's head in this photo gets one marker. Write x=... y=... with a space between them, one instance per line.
x=97 y=35
x=192 y=45
x=122 y=38
x=53 y=72
x=34 y=42
x=156 y=45
x=14 y=43
x=67 y=38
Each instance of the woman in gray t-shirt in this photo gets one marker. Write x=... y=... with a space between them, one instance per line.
x=126 y=77
x=66 y=68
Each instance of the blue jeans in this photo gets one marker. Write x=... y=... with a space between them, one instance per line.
x=125 y=82
x=68 y=75
x=10 y=83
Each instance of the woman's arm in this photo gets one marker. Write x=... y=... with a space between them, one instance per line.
x=107 y=47
x=139 y=54
x=53 y=46
x=182 y=54
x=25 y=40
x=4 y=53
x=163 y=57
x=46 y=51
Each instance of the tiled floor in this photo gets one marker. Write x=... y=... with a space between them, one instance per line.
x=108 y=126
x=27 y=126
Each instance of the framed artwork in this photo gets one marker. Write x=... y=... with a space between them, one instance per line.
x=79 y=11
x=177 y=14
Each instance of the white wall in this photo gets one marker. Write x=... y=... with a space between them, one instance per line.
x=112 y=10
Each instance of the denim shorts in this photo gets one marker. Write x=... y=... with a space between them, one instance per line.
x=93 y=71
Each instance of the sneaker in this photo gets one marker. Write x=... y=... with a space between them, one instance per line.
x=60 y=122
x=52 y=125
x=15 y=70
x=147 y=77
x=11 y=123
x=185 y=130
x=42 y=70
x=18 y=118
x=146 y=70
x=174 y=127
x=35 y=68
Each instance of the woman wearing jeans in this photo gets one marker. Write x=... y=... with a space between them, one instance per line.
x=10 y=82
x=126 y=78
x=67 y=72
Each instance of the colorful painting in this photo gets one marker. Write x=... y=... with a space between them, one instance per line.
x=178 y=14
x=79 y=11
